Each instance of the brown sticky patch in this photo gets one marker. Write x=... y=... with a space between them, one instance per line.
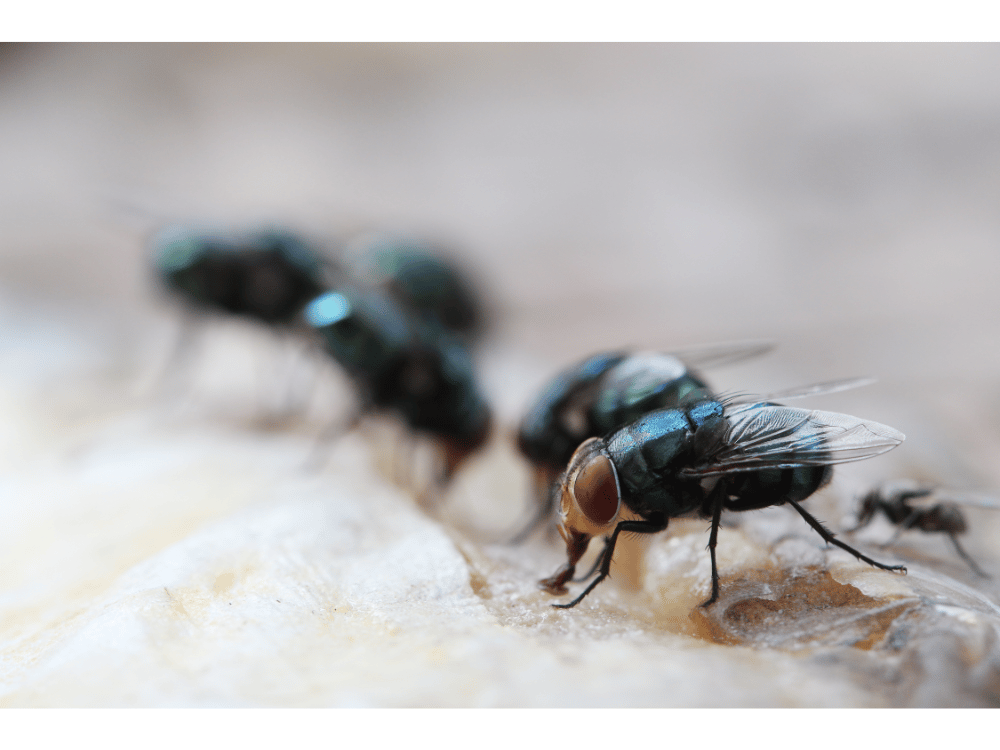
x=786 y=609
x=880 y=621
x=480 y=586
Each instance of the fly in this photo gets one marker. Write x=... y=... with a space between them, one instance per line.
x=604 y=393
x=911 y=505
x=705 y=457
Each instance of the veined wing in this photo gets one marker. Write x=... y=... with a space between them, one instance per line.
x=816 y=389
x=716 y=355
x=771 y=436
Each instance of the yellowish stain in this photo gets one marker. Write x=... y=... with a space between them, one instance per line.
x=224 y=582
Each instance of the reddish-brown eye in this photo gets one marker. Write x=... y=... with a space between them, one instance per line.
x=596 y=489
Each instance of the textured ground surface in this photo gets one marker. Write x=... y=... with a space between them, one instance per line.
x=165 y=540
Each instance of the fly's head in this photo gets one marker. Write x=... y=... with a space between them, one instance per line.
x=589 y=497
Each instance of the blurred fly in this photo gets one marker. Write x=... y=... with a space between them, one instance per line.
x=404 y=364
x=420 y=278
x=266 y=276
x=911 y=505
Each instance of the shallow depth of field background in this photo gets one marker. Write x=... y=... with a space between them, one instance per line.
x=842 y=201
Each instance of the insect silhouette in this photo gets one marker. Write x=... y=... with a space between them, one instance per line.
x=406 y=365
x=421 y=279
x=603 y=393
x=704 y=457
x=911 y=505
x=267 y=276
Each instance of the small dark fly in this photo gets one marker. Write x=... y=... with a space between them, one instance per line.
x=911 y=505
x=409 y=366
x=267 y=276
x=605 y=392
x=423 y=280
x=704 y=457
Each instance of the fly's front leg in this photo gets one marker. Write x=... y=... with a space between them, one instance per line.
x=576 y=546
x=596 y=565
x=641 y=527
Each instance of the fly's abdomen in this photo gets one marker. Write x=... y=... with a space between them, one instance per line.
x=614 y=409
x=766 y=487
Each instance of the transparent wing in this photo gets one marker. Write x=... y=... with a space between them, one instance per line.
x=924 y=494
x=715 y=355
x=771 y=436
x=976 y=499
x=816 y=389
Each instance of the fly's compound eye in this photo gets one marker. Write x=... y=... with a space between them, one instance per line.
x=596 y=490
x=591 y=497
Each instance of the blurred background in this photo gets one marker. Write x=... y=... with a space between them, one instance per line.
x=842 y=201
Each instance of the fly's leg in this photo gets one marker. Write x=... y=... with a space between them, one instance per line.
x=543 y=512
x=715 y=499
x=904 y=526
x=830 y=539
x=165 y=376
x=965 y=556
x=318 y=455
x=545 y=500
x=640 y=527
x=296 y=396
x=596 y=565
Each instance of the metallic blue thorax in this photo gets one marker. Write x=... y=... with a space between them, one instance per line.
x=650 y=453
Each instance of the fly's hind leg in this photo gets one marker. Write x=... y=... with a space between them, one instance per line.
x=965 y=556
x=714 y=501
x=830 y=539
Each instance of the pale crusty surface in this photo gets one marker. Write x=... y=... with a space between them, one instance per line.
x=171 y=539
